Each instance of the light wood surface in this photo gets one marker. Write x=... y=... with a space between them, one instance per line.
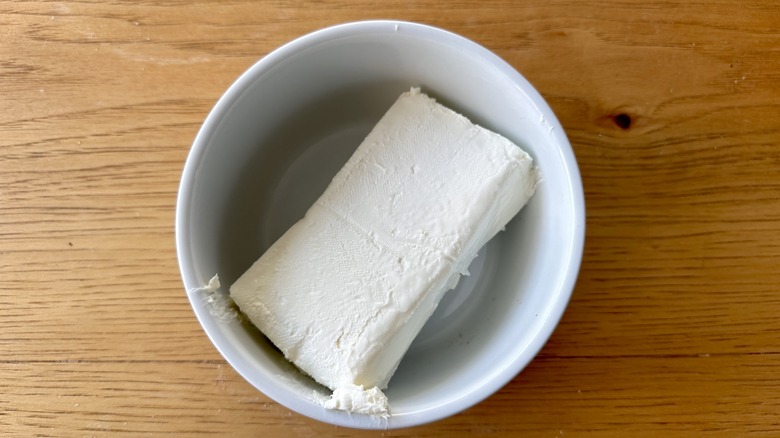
x=671 y=108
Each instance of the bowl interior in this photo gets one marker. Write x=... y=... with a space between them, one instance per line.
x=274 y=141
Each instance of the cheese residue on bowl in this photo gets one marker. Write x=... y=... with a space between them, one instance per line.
x=344 y=291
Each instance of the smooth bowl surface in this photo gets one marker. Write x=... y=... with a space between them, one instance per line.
x=279 y=134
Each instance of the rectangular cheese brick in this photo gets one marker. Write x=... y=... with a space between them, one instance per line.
x=344 y=292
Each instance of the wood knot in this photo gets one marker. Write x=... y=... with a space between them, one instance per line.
x=622 y=120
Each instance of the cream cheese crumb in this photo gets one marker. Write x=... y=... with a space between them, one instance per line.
x=220 y=305
x=212 y=287
x=357 y=399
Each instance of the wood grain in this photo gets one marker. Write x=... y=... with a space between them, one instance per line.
x=671 y=108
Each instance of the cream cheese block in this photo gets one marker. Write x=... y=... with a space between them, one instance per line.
x=344 y=291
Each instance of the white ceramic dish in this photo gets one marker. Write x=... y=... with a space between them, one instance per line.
x=284 y=128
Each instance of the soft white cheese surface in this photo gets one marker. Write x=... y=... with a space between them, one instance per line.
x=344 y=292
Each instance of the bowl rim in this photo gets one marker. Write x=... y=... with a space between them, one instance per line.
x=194 y=280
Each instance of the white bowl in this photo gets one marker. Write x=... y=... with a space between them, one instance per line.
x=284 y=128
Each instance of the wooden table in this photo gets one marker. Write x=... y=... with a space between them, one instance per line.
x=672 y=110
